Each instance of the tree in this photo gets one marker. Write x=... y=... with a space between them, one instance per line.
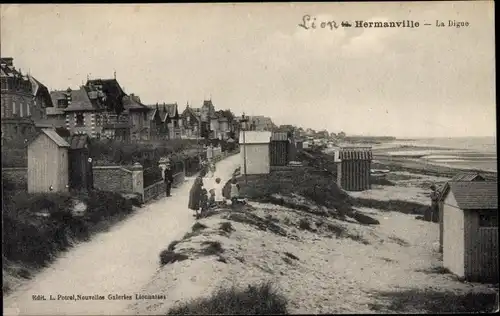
x=341 y=135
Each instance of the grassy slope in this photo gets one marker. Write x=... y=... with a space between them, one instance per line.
x=32 y=241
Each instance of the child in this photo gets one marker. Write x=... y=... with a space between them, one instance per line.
x=203 y=202
x=219 y=192
x=235 y=190
x=211 y=199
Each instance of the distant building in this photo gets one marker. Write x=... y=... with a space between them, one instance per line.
x=470 y=230
x=17 y=103
x=260 y=123
x=254 y=151
x=191 y=122
x=100 y=109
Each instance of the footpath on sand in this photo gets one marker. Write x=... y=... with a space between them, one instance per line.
x=114 y=263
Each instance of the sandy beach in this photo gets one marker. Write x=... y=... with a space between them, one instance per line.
x=326 y=266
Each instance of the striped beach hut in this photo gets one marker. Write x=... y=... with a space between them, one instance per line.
x=353 y=168
x=470 y=230
x=279 y=149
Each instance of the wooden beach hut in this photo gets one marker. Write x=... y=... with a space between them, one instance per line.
x=254 y=151
x=48 y=163
x=353 y=168
x=459 y=177
x=80 y=163
x=279 y=149
x=470 y=230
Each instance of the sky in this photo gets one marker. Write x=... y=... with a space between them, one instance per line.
x=255 y=58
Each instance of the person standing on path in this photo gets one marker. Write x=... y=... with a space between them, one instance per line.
x=169 y=179
x=434 y=203
x=195 y=195
x=235 y=190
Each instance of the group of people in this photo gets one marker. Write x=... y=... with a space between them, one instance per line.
x=202 y=198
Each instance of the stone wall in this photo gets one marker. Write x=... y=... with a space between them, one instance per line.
x=15 y=179
x=113 y=178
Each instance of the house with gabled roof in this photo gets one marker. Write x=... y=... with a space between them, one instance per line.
x=191 y=122
x=140 y=125
x=260 y=123
x=159 y=129
x=470 y=230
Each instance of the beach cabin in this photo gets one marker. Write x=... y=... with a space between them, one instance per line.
x=255 y=153
x=80 y=163
x=279 y=149
x=48 y=163
x=470 y=230
x=461 y=176
x=353 y=168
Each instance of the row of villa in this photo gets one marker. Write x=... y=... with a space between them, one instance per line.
x=101 y=109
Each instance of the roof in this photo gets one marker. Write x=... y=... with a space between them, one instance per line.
x=474 y=195
x=78 y=141
x=467 y=176
x=195 y=112
x=355 y=154
x=54 y=111
x=80 y=101
x=132 y=103
x=260 y=120
x=255 y=137
x=279 y=136
x=460 y=177
x=168 y=110
x=51 y=133
x=151 y=113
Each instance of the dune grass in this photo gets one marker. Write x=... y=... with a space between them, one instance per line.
x=37 y=227
x=260 y=299
x=432 y=301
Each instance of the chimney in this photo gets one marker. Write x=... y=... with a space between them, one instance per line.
x=9 y=61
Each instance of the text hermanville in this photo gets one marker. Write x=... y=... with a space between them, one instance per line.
x=384 y=24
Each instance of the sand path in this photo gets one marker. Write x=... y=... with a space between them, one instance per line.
x=118 y=262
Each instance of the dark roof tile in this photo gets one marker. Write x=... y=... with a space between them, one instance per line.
x=475 y=195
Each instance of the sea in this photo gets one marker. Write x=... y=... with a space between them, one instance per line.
x=461 y=152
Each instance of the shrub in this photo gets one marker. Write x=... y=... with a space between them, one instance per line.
x=14 y=157
x=212 y=248
x=227 y=227
x=35 y=240
x=198 y=226
x=152 y=175
x=167 y=256
x=304 y=224
x=259 y=299
x=171 y=246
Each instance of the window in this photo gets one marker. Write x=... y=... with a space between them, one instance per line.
x=79 y=119
x=14 y=108
x=488 y=219
x=98 y=120
x=28 y=112
x=145 y=116
x=21 y=106
x=62 y=103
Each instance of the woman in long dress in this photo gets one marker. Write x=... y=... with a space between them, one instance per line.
x=195 y=195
